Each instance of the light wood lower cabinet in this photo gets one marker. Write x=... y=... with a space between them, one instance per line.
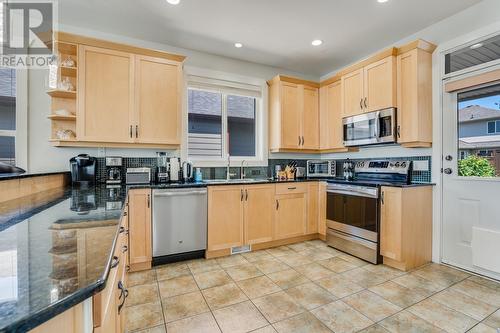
x=70 y=321
x=322 y=210
x=259 y=213
x=239 y=215
x=312 y=208
x=225 y=217
x=139 y=219
x=291 y=210
x=406 y=226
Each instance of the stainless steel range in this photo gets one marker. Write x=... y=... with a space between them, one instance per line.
x=353 y=207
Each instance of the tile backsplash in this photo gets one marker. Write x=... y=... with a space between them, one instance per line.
x=254 y=172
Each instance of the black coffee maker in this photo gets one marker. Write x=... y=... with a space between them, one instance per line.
x=83 y=170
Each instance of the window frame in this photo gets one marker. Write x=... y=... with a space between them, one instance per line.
x=230 y=85
x=488 y=127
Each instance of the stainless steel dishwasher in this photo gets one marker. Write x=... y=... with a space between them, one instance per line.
x=179 y=224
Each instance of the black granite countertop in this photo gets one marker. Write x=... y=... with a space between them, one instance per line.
x=45 y=264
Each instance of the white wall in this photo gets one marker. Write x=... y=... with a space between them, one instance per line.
x=43 y=157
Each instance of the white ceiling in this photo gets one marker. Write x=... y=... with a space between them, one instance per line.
x=274 y=32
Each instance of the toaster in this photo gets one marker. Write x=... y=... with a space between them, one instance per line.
x=138 y=176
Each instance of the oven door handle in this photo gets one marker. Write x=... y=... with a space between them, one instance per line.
x=353 y=193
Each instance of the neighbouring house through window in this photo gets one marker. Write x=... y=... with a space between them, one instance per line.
x=223 y=121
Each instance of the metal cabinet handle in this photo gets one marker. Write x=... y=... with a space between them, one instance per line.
x=399 y=131
x=361 y=104
x=246 y=195
x=303 y=140
x=124 y=293
x=365 y=102
x=382 y=195
x=130 y=131
x=277 y=204
x=121 y=230
x=241 y=195
x=136 y=131
x=149 y=200
x=124 y=248
x=299 y=140
x=292 y=188
x=115 y=261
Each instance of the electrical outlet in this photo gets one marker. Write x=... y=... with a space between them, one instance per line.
x=420 y=165
x=101 y=152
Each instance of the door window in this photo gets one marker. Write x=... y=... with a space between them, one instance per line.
x=478 y=132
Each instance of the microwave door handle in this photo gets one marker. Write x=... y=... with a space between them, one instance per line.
x=377 y=125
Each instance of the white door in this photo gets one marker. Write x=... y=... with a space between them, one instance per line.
x=471 y=177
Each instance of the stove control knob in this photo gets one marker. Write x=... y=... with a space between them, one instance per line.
x=403 y=164
x=397 y=164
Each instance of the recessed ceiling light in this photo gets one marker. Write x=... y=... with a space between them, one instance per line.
x=476 y=46
x=382 y=1
x=317 y=42
x=173 y=2
x=238 y=45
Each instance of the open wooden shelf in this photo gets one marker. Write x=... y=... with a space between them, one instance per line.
x=64 y=48
x=61 y=117
x=61 y=93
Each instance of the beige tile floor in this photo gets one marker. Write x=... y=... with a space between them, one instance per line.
x=308 y=287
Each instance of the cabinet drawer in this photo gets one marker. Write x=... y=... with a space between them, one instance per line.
x=290 y=188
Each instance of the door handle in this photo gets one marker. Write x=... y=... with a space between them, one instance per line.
x=361 y=104
x=382 y=197
x=149 y=200
x=246 y=195
x=448 y=171
x=115 y=262
x=241 y=195
x=136 y=131
x=299 y=140
x=303 y=140
x=365 y=102
x=449 y=158
x=399 y=131
x=130 y=131
x=277 y=204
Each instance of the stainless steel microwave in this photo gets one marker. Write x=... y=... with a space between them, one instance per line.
x=370 y=128
x=321 y=168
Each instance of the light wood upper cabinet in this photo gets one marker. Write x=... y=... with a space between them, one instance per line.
x=140 y=249
x=414 y=96
x=370 y=88
x=291 y=215
x=225 y=217
x=405 y=226
x=106 y=95
x=380 y=85
x=331 y=128
x=259 y=213
x=158 y=98
x=310 y=118
x=293 y=114
x=352 y=93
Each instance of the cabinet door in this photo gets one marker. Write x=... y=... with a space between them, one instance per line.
x=259 y=213
x=225 y=217
x=291 y=111
x=291 y=215
x=380 y=85
x=391 y=223
x=310 y=119
x=106 y=95
x=352 y=93
x=140 y=251
x=322 y=209
x=334 y=110
x=158 y=96
x=312 y=208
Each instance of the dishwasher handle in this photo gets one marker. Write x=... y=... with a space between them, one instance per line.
x=178 y=193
